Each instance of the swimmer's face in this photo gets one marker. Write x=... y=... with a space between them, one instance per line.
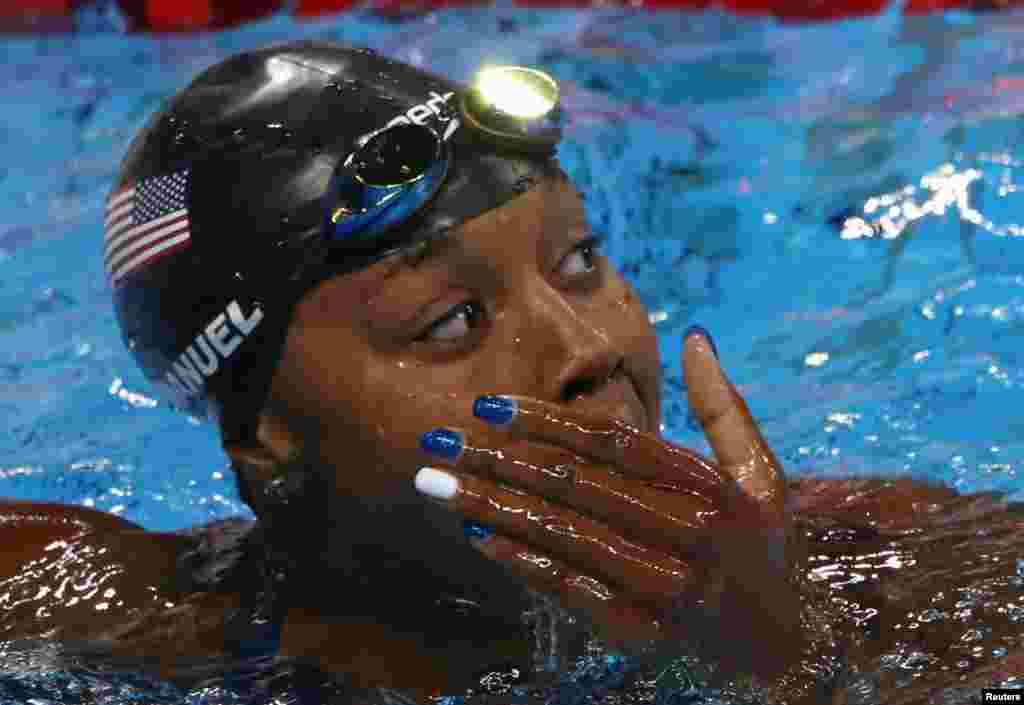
x=509 y=303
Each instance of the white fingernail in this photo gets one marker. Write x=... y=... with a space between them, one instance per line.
x=436 y=483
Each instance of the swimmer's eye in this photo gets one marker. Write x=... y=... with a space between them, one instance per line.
x=458 y=322
x=455 y=323
x=586 y=249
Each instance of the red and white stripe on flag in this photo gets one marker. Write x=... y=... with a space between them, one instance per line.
x=144 y=223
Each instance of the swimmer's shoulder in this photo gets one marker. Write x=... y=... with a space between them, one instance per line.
x=75 y=572
x=30 y=530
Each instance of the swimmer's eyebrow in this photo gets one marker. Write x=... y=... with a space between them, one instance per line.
x=425 y=250
x=415 y=255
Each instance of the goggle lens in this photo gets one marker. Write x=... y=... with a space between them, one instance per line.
x=395 y=156
x=389 y=176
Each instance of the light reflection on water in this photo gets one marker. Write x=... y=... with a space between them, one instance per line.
x=837 y=204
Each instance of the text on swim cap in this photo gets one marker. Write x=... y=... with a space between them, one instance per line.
x=419 y=114
x=216 y=342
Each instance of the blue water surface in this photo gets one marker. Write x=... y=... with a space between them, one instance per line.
x=837 y=203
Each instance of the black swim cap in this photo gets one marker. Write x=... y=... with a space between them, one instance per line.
x=219 y=210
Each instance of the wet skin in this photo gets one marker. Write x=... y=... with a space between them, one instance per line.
x=651 y=541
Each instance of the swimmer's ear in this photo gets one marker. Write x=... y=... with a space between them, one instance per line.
x=252 y=460
x=259 y=462
x=275 y=444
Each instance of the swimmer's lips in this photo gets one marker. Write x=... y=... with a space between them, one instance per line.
x=623 y=403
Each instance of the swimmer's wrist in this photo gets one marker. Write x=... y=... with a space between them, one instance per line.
x=748 y=617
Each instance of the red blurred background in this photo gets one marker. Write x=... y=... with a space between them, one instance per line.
x=161 y=16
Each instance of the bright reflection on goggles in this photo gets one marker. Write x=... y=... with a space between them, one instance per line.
x=516 y=91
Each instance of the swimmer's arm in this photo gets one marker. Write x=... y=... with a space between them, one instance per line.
x=884 y=503
x=894 y=506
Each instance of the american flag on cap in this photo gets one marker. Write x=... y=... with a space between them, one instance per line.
x=145 y=223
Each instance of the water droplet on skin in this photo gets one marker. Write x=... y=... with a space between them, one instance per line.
x=972 y=635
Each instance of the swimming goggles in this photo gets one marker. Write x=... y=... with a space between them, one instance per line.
x=395 y=171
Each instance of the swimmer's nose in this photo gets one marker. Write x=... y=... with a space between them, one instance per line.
x=586 y=381
x=578 y=357
x=586 y=375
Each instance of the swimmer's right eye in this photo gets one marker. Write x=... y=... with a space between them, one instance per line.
x=451 y=324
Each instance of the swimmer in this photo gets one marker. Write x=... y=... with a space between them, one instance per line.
x=442 y=404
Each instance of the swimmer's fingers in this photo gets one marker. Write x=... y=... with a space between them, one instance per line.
x=650 y=576
x=606 y=440
x=661 y=515
x=620 y=623
x=731 y=431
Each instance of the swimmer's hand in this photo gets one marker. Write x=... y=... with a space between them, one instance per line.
x=653 y=541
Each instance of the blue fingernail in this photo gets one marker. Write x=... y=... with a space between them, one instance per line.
x=494 y=409
x=702 y=331
x=442 y=442
x=476 y=531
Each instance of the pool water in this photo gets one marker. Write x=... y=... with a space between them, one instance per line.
x=837 y=203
